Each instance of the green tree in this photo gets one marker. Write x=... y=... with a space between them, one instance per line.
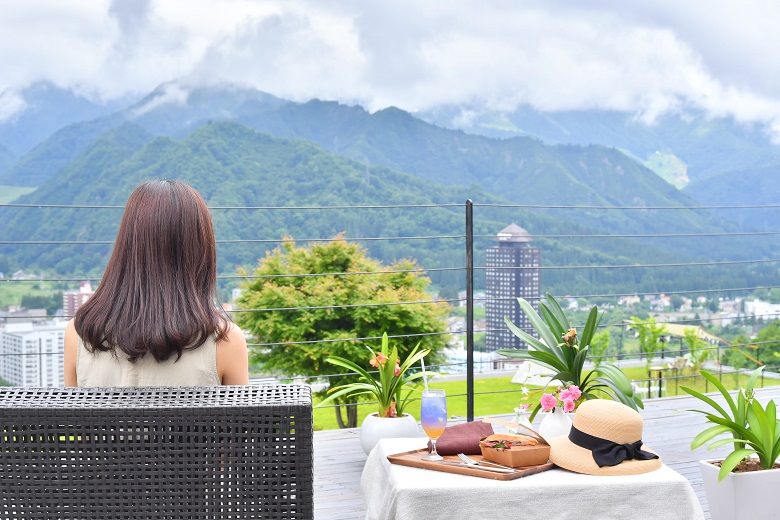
x=676 y=301
x=768 y=342
x=50 y=302
x=648 y=334
x=740 y=354
x=326 y=308
x=697 y=347
x=598 y=347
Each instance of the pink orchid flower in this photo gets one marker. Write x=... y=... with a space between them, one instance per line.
x=568 y=405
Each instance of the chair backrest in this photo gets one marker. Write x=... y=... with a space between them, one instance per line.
x=103 y=453
x=679 y=363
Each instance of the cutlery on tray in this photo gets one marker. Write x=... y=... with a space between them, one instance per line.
x=473 y=466
x=471 y=462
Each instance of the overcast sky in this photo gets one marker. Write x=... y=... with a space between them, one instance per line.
x=648 y=57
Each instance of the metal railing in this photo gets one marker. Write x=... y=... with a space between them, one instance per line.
x=466 y=240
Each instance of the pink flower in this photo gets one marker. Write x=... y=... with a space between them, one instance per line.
x=568 y=405
x=378 y=360
x=574 y=391
x=548 y=402
x=397 y=371
x=566 y=395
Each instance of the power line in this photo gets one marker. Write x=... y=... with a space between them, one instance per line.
x=630 y=266
x=268 y=208
x=404 y=238
x=653 y=235
x=408 y=206
x=453 y=300
x=549 y=206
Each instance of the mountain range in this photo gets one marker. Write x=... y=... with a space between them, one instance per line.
x=242 y=147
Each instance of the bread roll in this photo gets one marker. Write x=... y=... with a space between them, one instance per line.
x=509 y=440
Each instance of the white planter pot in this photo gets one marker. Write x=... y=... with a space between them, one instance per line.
x=374 y=428
x=554 y=424
x=741 y=496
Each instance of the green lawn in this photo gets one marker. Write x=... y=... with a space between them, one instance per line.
x=11 y=193
x=11 y=292
x=498 y=396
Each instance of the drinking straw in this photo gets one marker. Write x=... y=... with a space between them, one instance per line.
x=425 y=379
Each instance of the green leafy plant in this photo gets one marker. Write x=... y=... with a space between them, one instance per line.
x=393 y=377
x=562 y=351
x=754 y=429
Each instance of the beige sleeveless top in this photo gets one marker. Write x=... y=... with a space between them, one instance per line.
x=196 y=367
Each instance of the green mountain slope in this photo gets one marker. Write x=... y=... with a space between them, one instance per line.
x=521 y=170
x=47 y=108
x=709 y=146
x=236 y=167
x=45 y=160
x=751 y=187
x=7 y=159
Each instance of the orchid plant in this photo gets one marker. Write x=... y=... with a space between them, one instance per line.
x=560 y=349
x=388 y=388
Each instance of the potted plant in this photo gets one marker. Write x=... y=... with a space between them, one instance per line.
x=558 y=404
x=560 y=349
x=389 y=420
x=737 y=487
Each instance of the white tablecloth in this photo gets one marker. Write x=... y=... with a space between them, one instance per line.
x=405 y=493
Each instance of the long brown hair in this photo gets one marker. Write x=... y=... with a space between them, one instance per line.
x=158 y=294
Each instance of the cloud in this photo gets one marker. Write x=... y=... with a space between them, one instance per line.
x=132 y=17
x=170 y=93
x=10 y=105
x=648 y=58
x=291 y=53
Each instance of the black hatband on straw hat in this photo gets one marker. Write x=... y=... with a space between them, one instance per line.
x=608 y=453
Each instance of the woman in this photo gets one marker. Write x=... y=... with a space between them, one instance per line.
x=155 y=319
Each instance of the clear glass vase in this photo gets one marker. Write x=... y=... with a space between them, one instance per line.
x=520 y=418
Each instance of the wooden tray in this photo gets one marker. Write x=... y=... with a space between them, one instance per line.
x=416 y=459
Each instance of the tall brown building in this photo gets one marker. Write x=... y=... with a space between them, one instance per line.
x=513 y=271
x=72 y=300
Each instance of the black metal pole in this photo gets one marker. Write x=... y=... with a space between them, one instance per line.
x=469 y=310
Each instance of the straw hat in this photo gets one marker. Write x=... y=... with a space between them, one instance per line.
x=608 y=431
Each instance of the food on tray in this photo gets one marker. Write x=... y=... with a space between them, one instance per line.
x=501 y=441
x=514 y=450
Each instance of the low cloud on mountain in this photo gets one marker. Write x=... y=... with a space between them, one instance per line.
x=648 y=58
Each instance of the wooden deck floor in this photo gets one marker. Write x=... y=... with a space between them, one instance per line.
x=668 y=429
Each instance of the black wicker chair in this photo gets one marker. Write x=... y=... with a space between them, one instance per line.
x=230 y=452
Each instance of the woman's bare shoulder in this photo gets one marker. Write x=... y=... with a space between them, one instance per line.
x=70 y=331
x=234 y=338
x=232 y=357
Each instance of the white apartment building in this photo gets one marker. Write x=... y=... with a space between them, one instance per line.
x=766 y=310
x=32 y=354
